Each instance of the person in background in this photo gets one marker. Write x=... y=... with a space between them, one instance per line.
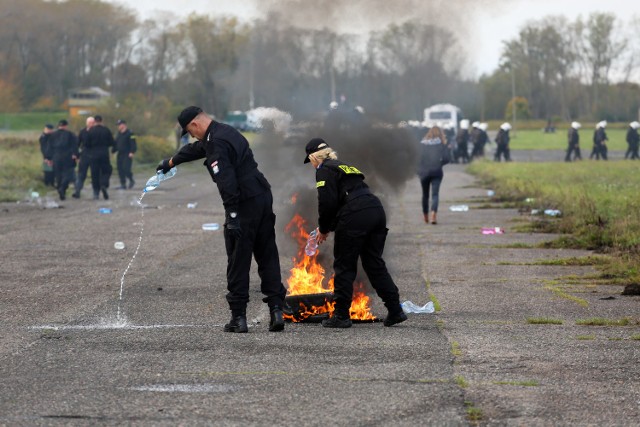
x=347 y=206
x=47 y=164
x=450 y=134
x=63 y=152
x=249 y=219
x=462 y=139
x=573 y=141
x=474 y=138
x=483 y=138
x=85 y=156
x=633 y=141
x=125 y=146
x=433 y=155
x=100 y=139
x=600 y=142
x=502 y=141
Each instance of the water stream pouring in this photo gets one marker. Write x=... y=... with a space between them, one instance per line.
x=151 y=185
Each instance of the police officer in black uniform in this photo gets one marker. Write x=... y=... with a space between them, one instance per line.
x=573 y=141
x=100 y=139
x=633 y=141
x=346 y=206
x=63 y=151
x=126 y=147
x=85 y=156
x=47 y=164
x=249 y=219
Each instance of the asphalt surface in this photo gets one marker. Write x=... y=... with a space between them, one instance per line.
x=66 y=359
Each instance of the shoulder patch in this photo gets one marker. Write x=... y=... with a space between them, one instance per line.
x=320 y=184
x=349 y=169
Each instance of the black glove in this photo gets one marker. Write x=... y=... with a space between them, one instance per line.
x=163 y=166
x=232 y=224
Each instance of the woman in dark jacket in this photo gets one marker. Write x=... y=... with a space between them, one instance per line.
x=433 y=155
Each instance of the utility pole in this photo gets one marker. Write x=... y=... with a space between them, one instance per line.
x=513 y=99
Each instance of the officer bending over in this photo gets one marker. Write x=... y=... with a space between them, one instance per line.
x=346 y=206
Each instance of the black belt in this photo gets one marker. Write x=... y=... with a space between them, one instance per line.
x=351 y=195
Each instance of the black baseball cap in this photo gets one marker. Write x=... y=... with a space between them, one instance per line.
x=316 y=144
x=186 y=116
x=121 y=122
x=63 y=122
x=49 y=126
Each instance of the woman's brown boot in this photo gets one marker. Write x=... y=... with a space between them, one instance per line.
x=426 y=218
x=433 y=217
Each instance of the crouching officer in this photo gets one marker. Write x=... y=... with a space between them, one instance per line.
x=249 y=226
x=346 y=206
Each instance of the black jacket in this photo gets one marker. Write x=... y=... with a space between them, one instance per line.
x=230 y=163
x=99 y=139
x=632 y=136
x=502 y=138
x=433 y=155
x=341 y=191
x=125 y=143
x=573 y=137
x=44 y=145
x=63 y=145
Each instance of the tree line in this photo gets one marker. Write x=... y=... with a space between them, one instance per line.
x=562 y=69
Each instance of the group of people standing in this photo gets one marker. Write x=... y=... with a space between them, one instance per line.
x=62 y=151
x=600 y=138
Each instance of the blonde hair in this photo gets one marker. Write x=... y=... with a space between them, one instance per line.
x=324 y=154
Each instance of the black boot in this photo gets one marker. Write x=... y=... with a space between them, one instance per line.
x=237 y=324
x=337 y=321
x=277 y=320
x=104 y=193
x=395 y=316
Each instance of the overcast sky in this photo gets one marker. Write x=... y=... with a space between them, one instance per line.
x=489 y=24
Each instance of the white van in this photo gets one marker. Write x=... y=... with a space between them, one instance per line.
x=443 y=115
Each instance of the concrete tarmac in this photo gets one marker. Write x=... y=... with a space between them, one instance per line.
x=66 y=359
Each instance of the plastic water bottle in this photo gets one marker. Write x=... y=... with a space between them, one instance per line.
x=105 y=210
x=212 y=226
x=154 y=181
x=459 y=208
x=410 y=307
x=312 y=244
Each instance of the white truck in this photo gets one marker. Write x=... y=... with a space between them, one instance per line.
x=444 y=116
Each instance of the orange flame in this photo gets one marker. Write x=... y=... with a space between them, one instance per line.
x=308 y=276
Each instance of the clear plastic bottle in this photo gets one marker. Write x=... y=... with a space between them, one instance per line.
x=459 y=208
x=410 y=307
x=154 y=181
x=312 y=244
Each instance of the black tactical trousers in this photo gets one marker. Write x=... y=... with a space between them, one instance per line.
x=101 y=170
x=124 y=168
x=258 y=239
x=362 y=234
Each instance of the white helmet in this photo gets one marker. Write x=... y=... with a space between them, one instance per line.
x=483 y=126
x=602 y=124
x=575 y=125
x=634 y=125
x=505 y=126
x=359 y=109
x=475 y=124
x=333 y=105
x=464 y=124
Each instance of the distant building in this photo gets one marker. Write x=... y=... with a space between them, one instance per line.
x=86 y=101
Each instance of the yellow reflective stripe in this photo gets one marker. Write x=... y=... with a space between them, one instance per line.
x=320 y=184
x=349 y=169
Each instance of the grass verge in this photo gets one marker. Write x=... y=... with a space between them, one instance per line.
x=599 y=205
x=544 y=321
